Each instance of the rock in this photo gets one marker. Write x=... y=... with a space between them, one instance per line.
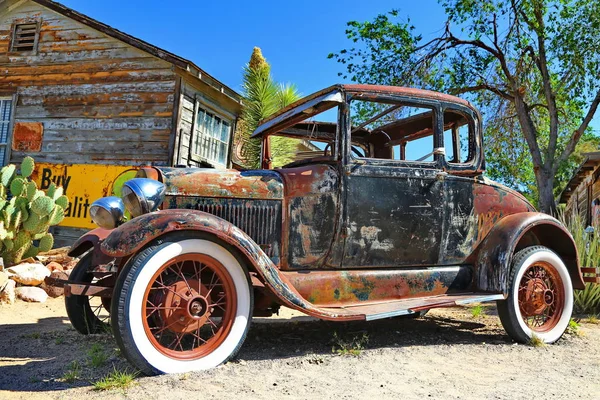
x=7 y=295
x=28 y=274
x=55 y=291
x=59 y=255
x=31 y=294
x=54 y=266
x=71 y=264
x=3 y=279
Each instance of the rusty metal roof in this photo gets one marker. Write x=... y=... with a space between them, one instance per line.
x=589 y=164
x=165 y=55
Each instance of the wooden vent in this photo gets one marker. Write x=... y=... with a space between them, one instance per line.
x=25 y=37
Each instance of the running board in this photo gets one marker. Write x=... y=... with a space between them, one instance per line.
x=396 y=308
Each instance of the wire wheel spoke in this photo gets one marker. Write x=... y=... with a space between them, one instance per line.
x=180 y=304
x=539 y=297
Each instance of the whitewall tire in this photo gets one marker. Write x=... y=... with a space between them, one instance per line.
x=182 y=304
x=540 y=297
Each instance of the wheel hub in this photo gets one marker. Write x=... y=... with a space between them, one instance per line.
x=540 y=298
x=185 y=308
x=537 y=297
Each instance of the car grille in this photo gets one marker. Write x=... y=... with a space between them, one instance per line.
x=260 y=219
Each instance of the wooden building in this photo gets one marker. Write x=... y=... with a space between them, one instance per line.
x=583 y=190
x=74 y=91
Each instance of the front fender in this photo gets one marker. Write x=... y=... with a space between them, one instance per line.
x=132 y=236
x=511 y=234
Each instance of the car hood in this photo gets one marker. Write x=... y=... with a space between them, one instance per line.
x=208 y=182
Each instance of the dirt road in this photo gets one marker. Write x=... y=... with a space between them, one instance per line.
x=447 y=355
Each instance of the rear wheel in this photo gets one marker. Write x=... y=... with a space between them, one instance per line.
x=540 y=298
x=88 y=314
x=182 y=305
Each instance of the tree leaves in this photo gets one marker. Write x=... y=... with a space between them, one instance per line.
x=531 y=66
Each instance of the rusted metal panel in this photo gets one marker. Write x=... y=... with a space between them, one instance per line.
x=472 y=208
x=27 y=136
x=311 y=206
x=345 y=288
x=395 y=217
x=266 y=185
x=494 y=255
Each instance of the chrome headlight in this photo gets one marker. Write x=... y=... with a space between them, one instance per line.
x=142 y=195
x=107 y=212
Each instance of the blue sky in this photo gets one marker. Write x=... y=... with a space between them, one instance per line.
x=219 y=35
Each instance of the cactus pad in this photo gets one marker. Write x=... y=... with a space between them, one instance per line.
x=62 y=201
x=27 y=166
x=42 y=206
x=33 y=223
x=51 y=189
x=6 y=174
x=46 y=242
x=8 y=244
x=32 y=251
x=57 y=215
x=16 y=186
x=31 y=189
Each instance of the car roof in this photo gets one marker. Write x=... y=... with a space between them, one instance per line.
x=326 y=98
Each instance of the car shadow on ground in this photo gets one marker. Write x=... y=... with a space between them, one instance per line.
x=43 y=356
x=308 y=336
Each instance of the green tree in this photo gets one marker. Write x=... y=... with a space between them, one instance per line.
x=532 y=67
x=262 y=98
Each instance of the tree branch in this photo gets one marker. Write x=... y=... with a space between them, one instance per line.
x=579 y=131
x=542 y=62
x=484 y=86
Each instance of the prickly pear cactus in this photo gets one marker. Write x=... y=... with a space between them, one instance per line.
x=26 y=213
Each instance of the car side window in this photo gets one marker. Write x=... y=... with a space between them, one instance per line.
x=399 y=131
x=458 y=138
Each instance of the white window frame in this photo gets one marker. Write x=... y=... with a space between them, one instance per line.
x=204 y=146
x=9 y=124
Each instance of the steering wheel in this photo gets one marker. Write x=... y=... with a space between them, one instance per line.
x=354 y=150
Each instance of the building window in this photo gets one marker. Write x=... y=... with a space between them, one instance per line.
x=211 y=137
x=5 y=115
x=25 y=37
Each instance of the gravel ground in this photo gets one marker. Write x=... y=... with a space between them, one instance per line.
x=449 y=354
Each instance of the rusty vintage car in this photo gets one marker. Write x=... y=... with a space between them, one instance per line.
x=384 y=212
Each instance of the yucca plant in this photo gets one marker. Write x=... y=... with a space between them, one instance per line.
x=262 y=98
x=587 y=301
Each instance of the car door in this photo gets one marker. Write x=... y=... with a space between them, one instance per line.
x=394 y=215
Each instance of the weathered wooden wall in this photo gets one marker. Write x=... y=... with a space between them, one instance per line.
x=190 y=95
x=100 y=100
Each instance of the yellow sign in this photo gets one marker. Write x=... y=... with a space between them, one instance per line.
x=83 y=184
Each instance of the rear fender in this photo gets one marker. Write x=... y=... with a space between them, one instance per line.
x=131 y=237
x=515 y=232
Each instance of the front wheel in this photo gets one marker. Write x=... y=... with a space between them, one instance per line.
x=182 y=305
x=540 y=298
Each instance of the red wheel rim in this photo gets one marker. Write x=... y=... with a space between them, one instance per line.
x=541 y=297
x=189 y=306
